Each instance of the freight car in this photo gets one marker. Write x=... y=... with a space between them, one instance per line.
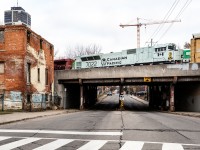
x=163 y=53
x=63 y=64
x=195 y=48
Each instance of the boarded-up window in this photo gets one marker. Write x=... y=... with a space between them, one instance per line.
x=1 y=36
x=46 y=76
x=38 y=74
x=1 y=67
x=28 y=36
x=28 y=73
x=41 y=43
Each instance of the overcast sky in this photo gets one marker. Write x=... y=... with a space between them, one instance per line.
x=66 y=23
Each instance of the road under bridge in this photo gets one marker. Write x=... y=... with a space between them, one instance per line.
x=181 y=82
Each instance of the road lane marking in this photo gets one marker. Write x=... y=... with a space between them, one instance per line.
x=55 y=144
x=170 y=146
x=19 y=143
x=93 y=145
x=63 y=132
x=4 y=138
x=132 y=145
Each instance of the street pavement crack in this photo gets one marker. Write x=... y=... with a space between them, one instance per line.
x=181 y=134
x=35 y=134
x=169 y=129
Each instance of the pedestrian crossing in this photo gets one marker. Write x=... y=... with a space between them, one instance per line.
x=55 y=143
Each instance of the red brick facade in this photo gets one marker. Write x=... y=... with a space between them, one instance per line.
x=24 y=56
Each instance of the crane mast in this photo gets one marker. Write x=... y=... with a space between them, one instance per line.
x=138 y=25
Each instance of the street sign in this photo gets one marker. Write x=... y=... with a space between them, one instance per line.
x=147 y=79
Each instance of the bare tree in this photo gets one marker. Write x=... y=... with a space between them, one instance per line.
x=187 y=45
x=79 y=50
x=56 y=53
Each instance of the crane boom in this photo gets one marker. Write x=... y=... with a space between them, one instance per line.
x=138 y=25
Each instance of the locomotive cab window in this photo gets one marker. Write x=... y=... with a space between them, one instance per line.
x=131 y=51
x=171 y=47
x=90 y=58
x=97 y=58
x=164 y=48
x=84 y=58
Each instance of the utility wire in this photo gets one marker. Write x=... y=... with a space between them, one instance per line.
x=179 y=14
x=170 y=11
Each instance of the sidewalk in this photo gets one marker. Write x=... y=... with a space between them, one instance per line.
x=19 y=116
x=140 y=100
x=191 y=114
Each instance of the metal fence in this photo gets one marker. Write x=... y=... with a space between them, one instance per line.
x=1 y=102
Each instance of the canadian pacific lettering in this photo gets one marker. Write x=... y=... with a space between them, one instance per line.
x=112 y=61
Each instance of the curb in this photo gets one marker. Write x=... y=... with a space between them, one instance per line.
x=196 y=115
x=39 y=116
x=186 y=114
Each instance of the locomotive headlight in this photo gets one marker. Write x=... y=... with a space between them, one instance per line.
x=170 y=56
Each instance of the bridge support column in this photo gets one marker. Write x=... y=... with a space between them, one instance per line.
x=81 y=97
x=121 y=103
x=172 y=107
x=81 y=94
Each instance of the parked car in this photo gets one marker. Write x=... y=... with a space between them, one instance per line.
x=109 y=93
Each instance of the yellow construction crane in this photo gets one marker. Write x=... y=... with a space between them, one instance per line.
x=138 y=25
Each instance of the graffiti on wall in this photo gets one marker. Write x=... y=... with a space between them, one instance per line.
x=16 y=96
x=37 y=98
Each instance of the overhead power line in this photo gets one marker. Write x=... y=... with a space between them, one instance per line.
x=170 y=11
x=178 y=15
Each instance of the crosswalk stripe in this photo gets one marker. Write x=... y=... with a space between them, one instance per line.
x=62 y=132
x=132 y=145
x=93 y=145
x=4 y=138
x=18 y=143
x=170 y=146
x=54 y=145
x=90 y=145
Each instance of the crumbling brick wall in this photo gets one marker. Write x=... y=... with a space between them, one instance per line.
x=21 y=46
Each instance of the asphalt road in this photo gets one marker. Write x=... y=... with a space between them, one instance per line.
x=112 y=103
x=104 y=130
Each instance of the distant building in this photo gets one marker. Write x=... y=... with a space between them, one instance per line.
x=26 y=68
x=17 y=16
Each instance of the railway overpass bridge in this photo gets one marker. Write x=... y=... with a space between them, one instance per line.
x=181 y=82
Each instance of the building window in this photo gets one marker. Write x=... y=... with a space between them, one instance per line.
x=1 y=35
x=46 y=76
x=38 y=74
x=28 y=36
x=1 y=67
x=41 y=43
x=28 y=73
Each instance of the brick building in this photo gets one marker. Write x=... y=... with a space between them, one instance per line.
x=26 y=68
